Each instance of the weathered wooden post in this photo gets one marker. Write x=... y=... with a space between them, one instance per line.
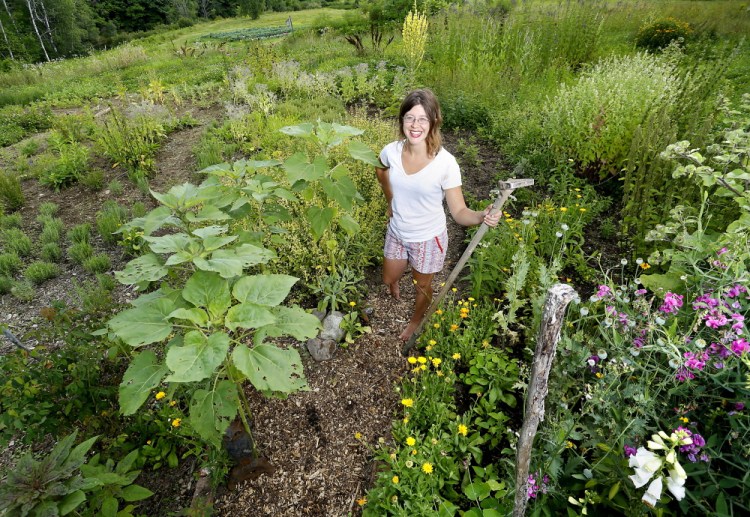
x=558 y=298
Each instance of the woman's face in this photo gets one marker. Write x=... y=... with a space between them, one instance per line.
x=416 y=125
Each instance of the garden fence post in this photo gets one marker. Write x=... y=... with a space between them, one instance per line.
x=558 y=298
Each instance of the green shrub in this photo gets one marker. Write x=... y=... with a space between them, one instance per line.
x=10 y=263
x=131 y=143
x=11 y=193
x=16 y=241
x=39 y=272
x=109 y=220
x=99 y=263
x=51 y=252
x=79 y=233
x=50 y=234
x=115 y=187
x=17 y=122
x=659 y=34
x=10 y=221
x=138 y=209
x=93 y=180
x=593 y=120
x=75 y=127
x=29 y=148
x=47 y=209
x=95 y=296
x=5 y=284
x=23 y=291
x=71 y=163
x=80 y=252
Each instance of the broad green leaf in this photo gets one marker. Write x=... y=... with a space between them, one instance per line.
x=70 y=502
x=669 y=282
x=219 y=169
x=350 y=226
x=341 y=190
x=342 y=130
x=252 y=255
x=208 y=213
x=180 y=197
x=360 y=151
x=274 y=213
x=109 y=507
x=224 y=262
x=148 y=268
x=210 y=231
x=198 y=357
x=194 y=315
x=270 y=368
x=304 y=130
x=77 y=456
x=125 y=464
x=169 y=243
x=157 y=218
x=142 y=376
x=214 y=243
x=477 y=490
x=182 y=256
x=320 y=219
x=298 y=168
x=292 y=321
x=248 y=316
x=211 y=412
x=162 y=292
x=268 y=290
x=208 y=290
x=135 y=493
x=144 y=324
x=285 y=194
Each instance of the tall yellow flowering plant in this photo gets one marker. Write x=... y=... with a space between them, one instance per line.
x=414 y=34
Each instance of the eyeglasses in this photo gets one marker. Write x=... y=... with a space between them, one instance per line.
x=411 y=119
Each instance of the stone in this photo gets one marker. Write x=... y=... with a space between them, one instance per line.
x=332 y=327
x=319 y=314
x=321 y=349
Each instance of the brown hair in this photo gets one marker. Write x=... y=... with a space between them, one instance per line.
x=431 y=106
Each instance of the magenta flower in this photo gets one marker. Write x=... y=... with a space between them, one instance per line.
x=740 y=346
x=629 y=450
x=672 y=303
x=604 y=291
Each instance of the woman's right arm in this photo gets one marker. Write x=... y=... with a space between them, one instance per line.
x=385 y=184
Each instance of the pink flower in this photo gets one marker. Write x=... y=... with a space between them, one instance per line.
x=740 y=346
x=604 y=291
x=672 y=303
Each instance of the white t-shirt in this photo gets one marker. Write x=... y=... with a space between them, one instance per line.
x=417 y=203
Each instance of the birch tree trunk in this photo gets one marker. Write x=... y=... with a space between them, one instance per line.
x=48 y=26
x=10 y=16
x=558 y=298
x=33 y=16
x=7 y=43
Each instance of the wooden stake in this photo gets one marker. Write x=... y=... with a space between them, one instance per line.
x=558 y=298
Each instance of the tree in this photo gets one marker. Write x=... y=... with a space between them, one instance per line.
x=252 y=8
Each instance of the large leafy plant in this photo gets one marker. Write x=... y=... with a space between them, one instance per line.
x=210 y=317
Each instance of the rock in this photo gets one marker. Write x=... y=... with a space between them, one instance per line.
x=319 y=314
x=332 y=327
x=321 y=349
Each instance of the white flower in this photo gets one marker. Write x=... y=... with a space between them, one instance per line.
x=639 y=261
x=652 y=495
x=602 y=354
x=564 y=227
x=558 y=234
x=645 y=463
x=584 y=311
x=624 y=262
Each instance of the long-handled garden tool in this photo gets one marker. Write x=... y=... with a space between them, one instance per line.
x=506 y=189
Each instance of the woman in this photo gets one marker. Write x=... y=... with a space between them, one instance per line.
x=418 y=174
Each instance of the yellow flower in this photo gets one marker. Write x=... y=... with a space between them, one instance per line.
x=569 y=444
x=582 y=209
x=412 y=359
x=176 y=422
x=421 y=359
x=454 y=327
x=577 y=189
x=357 y=435
x=599 y=375
x=439 y=312
x=148 y=442
x=471 y=299
x=362 y=501
x=563 y=208
x=432 y=342
x=427 y=468
x=439 y=373
x=352 y=304
x=172 y=403
x=406 y=419
x=422 y=366
x=436 y=362
x=485 y=344
x=454 y=289
x=160 y=395
x=410 y=441
x=436 y=325
x=463 y=430
x=645 y=265
x=456 y=356
x=684 y=420
x=407 y=402
x=395 y=480
x=428 y=347
x=414 y=452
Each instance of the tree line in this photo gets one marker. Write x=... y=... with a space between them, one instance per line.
x=43 y=30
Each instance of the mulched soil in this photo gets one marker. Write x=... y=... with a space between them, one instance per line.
x=319 y=467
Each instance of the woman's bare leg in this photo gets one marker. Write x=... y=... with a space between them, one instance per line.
x=423 y=286
x=393 y=270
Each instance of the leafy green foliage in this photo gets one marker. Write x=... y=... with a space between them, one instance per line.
x=659 y=34
x=11 y=193
x=98 y=263
x=39 y=272
x=80 y=252
x=16 y=241
x=51 y=486
x=71 y=162
x=10 y=263
x=131 y=143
